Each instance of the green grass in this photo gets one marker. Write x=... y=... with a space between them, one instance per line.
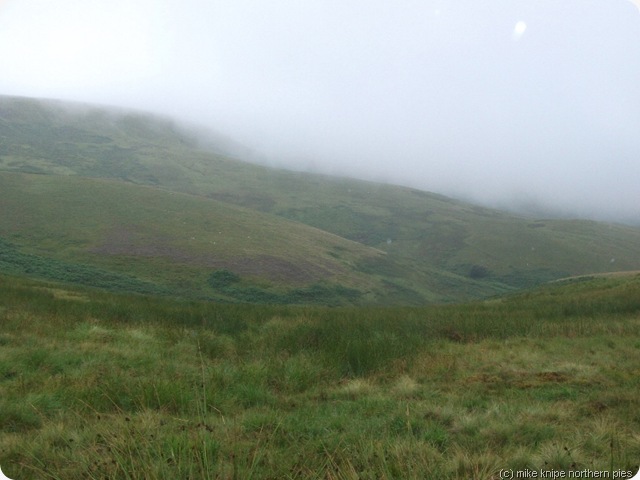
x=279 y=228
x=173 y=241
x=102 y=385
x=16 y=262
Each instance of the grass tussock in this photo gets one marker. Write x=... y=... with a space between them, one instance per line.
x=96 y=385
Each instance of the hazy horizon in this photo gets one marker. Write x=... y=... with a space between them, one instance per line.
x=514 y=104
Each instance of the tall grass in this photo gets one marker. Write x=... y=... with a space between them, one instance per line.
x=96 y=385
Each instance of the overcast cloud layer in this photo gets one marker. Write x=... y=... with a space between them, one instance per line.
x=506 y=102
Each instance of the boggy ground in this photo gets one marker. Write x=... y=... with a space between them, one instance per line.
x=96 y=386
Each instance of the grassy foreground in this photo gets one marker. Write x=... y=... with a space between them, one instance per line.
x=96 y=386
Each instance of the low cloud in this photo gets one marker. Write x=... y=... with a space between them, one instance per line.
x=494 y=102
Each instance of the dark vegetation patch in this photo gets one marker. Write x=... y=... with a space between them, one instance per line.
x=12 y=260
x=471 y=270
x=478 y=271
x=222 y=279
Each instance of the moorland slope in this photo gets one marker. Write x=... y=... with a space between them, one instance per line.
x=122 y=193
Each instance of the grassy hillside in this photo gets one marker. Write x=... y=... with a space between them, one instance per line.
x=172 y=240
x=437 y=249
x=97 y=385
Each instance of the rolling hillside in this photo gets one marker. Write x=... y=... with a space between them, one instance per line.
x=141 y=198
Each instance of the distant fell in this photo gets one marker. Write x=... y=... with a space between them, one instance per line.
x=144 y=196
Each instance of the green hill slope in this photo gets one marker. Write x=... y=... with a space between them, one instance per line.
x=175 y=241
x=436 y=249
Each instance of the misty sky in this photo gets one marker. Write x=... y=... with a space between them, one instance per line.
x=501 y=101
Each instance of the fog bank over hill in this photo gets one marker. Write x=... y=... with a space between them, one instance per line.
x=509 y=103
